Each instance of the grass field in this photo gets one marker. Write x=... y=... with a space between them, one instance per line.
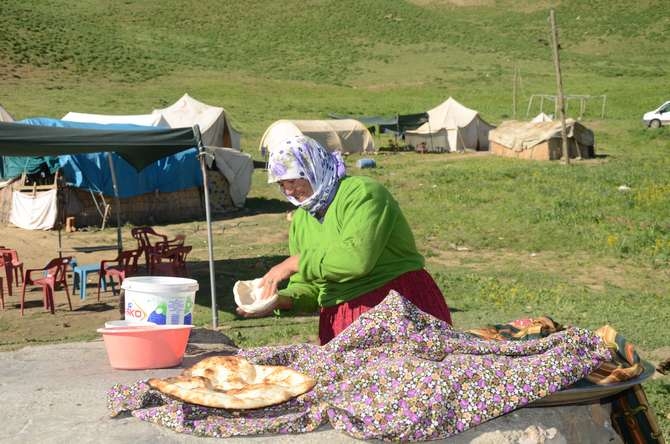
x=504 y=238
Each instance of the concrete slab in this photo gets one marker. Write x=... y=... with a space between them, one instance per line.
x=56 y=394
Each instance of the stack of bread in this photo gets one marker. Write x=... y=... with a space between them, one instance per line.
x=232 y=382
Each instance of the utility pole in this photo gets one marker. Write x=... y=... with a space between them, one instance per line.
x=559 y=85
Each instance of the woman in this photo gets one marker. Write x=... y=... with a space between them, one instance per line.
x=349 y=242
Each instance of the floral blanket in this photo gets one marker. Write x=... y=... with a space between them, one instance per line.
x=397 y=374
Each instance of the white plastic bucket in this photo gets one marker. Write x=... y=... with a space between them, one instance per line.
x=163 y=300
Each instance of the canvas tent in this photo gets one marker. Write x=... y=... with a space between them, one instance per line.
x=138 y=147
x=236 y=167
x=135 y=119
x=344 y=135
x=541 y=140
x=213 y=121
x=5 y=116
x=542 y=117
x=451 y=127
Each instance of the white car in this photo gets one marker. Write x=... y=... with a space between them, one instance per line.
x=659 y=116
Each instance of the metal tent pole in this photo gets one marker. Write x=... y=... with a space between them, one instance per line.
x=210 y=242
x=119 y=241
x=61 y=212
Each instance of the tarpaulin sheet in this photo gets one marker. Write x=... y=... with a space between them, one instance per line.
x=91 y=170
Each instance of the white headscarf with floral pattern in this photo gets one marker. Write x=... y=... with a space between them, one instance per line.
x=301 y=157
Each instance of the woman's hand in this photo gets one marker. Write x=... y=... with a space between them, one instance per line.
x=277 y=274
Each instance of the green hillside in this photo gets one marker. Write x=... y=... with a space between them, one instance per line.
x=266 y=60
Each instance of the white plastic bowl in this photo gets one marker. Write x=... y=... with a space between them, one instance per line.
x=248 y=296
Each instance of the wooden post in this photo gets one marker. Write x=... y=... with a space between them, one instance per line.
x=530 y=103
x=105 y=216
x=514 y=92
x=559 y=86
x=397 y=131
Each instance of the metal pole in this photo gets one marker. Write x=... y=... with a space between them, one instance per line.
x=60 y=208
x=119 y=241
x=210 y=242
x=559 y=86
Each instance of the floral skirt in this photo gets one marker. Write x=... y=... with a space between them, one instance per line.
x=417 y=286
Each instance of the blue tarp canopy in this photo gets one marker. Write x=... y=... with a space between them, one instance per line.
x=90 y=170
x=14 y=166
x=137 y=147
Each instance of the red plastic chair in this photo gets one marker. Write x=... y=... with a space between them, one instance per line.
x=6 y=263
x=124 y=265
x=178 y=241
x=55 y=272
x=9 y=258
x=2 y=295
x=162 y=246
x=170 y=262
x=146 y=238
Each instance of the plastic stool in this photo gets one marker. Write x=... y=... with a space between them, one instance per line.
x=80 y=277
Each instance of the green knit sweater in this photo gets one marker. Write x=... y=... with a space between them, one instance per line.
x=363 y=243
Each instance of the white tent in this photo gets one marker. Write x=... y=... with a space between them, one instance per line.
x=136 y=119
x=214 y=124
x=451 y=127
x=542 y=117
x=344 y=135
x=237 y=168
x=5 y=116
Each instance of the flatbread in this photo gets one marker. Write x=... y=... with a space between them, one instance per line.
x=231 y=382
x=248 y=296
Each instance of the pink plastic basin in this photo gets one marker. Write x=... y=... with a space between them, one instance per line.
x=145 y=347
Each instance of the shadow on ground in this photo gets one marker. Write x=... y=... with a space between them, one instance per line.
x=255 y=205
x=226 y=273
x=97 y=307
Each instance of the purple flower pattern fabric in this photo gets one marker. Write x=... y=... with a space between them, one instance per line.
x=395 y=374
